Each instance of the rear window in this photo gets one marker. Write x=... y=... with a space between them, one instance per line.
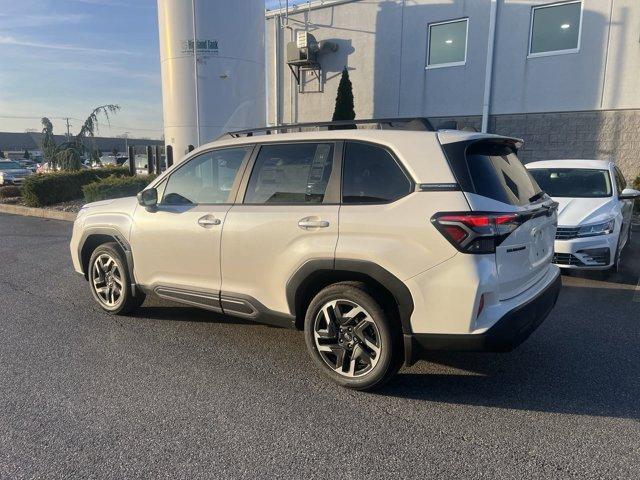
x=573 y=182
x=492 y=170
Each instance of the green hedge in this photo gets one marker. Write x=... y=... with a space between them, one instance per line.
x=636 y=185
x=10 y=191
x=49 y=188
x=115 y=187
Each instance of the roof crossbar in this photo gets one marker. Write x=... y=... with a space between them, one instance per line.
x=414 y=123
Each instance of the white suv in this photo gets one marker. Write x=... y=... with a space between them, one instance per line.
x=380 y=243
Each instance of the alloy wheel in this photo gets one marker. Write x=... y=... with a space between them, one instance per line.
x=347 y=338
x=108 y=282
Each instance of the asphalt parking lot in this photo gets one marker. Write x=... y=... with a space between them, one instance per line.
x=180 y=393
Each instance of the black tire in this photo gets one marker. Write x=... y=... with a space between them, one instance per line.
x=388 y=360
x=126 y=301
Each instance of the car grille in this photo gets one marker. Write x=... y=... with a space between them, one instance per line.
x=566 y=259
x=567 y=233
x=584 y=258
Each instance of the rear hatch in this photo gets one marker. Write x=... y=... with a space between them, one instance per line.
x=494 y=181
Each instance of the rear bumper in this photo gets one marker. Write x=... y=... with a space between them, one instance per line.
x=505 y=335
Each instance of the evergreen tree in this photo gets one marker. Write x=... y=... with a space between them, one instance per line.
x=49 y=147
x=69 y=159
x=344 y=109
x=26 y=155
x=70 y=153
x=1 y=153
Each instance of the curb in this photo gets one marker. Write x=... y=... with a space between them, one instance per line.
x=37 y=212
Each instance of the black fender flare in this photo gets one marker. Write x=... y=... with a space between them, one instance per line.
x=119 y=238
x=393 y=284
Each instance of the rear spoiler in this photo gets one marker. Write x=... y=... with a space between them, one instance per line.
x=454 y=136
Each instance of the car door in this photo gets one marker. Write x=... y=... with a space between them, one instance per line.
x=286 y=214
x=176 y=245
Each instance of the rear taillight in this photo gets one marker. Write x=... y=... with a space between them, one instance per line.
x=473 y=232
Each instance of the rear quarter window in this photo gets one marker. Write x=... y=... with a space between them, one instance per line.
x=492 y=170
x=371 y=174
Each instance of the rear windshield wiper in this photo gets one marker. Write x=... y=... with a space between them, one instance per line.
x=538 y=196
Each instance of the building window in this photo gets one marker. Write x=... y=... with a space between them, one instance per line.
x=447 y=45
x=555 y=29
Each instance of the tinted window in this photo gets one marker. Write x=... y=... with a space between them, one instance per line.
x=371 y=175
x=493 y=170
x=447 y=43
x=555 y=28
x=207 y=178
x=573 y=182
x=620 y=181
x=9 y=165
x=292 y=173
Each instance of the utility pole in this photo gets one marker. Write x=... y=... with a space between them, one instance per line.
x=68 y=132
x=126 y=141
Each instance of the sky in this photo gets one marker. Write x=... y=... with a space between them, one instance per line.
x=62 y=58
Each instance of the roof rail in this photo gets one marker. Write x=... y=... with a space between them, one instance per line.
x=414 y=123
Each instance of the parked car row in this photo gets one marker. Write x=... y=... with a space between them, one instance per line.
x=13 y=172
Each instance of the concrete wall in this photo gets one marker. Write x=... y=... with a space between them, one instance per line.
x=383 y=43
x=603 y=134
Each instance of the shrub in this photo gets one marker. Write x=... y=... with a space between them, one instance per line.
x=10 y=191
x=115 y=187
x=49 y=188
x=636 y=185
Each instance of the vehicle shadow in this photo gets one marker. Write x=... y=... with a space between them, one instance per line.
x=584 y=359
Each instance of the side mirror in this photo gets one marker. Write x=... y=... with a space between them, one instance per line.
x=629 y=194
x=148 y=197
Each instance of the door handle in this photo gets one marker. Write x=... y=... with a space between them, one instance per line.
x=306 y=223
x=208 y=221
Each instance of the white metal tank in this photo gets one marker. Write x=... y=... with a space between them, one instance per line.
x=222 y=87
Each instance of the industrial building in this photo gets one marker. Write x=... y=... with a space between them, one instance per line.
x=563 y=76
x=18 y=142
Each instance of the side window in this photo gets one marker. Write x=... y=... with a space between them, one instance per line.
x=290 y=173
x=371 y=175
x=206 y=178
x=160 y=188
x=622 y=183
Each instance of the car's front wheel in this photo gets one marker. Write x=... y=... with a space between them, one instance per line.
x=351 y=338
x=109 y=280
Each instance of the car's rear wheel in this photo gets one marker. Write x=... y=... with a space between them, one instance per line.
x=351 y=338
x=109 y=280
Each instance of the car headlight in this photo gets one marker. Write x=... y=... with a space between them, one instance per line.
x=597 y=229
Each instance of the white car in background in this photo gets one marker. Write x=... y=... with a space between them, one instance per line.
x=12 y=173
x=594 y=214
